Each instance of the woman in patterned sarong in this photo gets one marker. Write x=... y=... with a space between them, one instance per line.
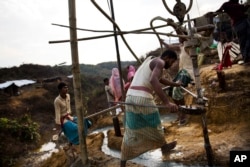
x=143 y=130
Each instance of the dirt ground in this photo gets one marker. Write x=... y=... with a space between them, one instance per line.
x=227 y=122
x=190 y=149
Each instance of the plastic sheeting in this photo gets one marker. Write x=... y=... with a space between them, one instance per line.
x=18 y=83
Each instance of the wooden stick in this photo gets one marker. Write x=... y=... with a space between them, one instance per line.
x=191 y=93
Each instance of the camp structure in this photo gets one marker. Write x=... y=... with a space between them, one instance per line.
x=11 y=88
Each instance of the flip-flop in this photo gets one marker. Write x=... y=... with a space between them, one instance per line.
x=168 y=147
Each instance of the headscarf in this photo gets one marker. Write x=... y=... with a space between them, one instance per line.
x=115 y=84
x=131 y=72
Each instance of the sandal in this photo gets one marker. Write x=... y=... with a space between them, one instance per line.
x=168 y=147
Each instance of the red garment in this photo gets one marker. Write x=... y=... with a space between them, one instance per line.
x=131 y=73
x=130 y=76
x=127 y=85
x=226 y=60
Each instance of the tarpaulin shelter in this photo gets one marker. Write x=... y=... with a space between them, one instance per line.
x=11 y=87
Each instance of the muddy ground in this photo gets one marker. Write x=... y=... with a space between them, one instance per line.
x=227 y=119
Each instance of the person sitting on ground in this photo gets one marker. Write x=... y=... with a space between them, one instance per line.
x=63 y=118
x=143 y=130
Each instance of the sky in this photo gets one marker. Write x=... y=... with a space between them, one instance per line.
x=26 y=29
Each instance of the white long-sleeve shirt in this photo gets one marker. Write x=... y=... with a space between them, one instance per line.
x=62 y=107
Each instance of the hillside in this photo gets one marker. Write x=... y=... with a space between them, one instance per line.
x=35 y=71
x=91 y=78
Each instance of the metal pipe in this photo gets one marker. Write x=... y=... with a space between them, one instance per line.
x=199 y=96
x=103 y=111
x=139 y=105
x=207 y=145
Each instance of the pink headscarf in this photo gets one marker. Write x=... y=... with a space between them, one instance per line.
x=131 y=72
x=115 y=84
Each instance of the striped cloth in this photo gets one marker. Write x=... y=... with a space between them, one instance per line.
x=143 y=130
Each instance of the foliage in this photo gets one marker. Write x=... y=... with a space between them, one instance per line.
x=102 y=69
x=24 y=129
x=35 y=71
x=32 y=71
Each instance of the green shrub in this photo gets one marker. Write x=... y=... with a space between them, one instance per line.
x=23 y=129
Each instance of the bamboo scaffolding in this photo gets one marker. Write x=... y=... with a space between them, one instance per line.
x=124 y=33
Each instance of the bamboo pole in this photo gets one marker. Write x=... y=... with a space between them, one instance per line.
x=77 y=83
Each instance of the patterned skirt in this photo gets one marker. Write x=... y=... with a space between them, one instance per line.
x=143 y=130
